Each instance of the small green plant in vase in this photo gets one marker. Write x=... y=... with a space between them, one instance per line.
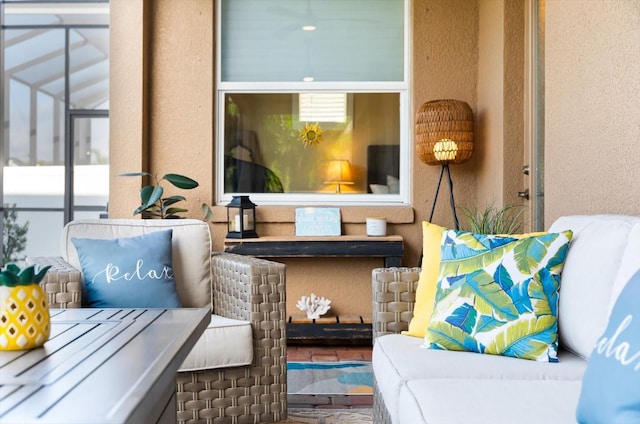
x=494 y=220
x=153 y=205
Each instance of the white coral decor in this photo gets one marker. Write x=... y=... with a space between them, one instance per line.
x=314 y=306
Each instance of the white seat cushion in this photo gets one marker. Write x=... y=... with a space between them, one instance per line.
x=398 y=359
x=225 y=343
x=466 y=401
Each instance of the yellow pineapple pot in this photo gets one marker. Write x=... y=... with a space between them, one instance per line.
x=24 y=311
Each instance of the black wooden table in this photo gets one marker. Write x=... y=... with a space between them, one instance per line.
x=390 y=248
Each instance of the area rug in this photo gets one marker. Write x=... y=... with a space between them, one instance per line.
x=328 y=416
x=330 y=378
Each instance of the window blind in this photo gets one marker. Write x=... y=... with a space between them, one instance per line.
x=351 y=40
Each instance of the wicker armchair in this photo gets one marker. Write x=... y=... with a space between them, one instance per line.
x=242 y=288
x=394 y=296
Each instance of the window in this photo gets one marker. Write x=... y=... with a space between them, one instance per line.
x=312 y=101
x=55 y=133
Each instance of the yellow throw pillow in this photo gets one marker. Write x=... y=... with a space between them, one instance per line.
x=428 y=281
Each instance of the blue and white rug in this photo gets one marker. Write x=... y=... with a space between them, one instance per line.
x=334 y=378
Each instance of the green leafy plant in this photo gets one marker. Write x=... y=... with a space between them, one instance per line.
x=494 y=220
x=14 y=236
x=11 y=275
x=153 y=205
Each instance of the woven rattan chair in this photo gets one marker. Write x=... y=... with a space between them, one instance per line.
x=394 y=297
x=240 y=287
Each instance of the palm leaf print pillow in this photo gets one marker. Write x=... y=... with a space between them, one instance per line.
x=499 y=294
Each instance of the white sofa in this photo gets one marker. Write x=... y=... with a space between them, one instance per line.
x=418 y=385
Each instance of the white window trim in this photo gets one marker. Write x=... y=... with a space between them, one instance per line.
x=406 y=136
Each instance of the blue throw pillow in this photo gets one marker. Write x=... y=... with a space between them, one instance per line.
x=134 y=272
x=611 y=384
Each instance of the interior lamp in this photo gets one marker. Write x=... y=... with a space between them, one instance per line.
x=339 y=173
x=241 y=218
x=444 y=135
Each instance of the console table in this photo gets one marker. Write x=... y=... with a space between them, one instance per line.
x=101 y=366
x=390 y=248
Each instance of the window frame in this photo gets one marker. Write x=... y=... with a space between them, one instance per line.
x=402 y=88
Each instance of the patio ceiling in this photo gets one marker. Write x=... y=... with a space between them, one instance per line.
x=35 y=55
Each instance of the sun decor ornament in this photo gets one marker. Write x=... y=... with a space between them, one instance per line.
x=311 y=134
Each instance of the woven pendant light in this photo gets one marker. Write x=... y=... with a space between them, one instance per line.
x=444 y=132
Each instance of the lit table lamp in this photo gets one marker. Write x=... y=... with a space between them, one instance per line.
x=444 y=135
x=338 y=173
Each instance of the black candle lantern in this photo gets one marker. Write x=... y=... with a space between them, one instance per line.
x=241 y=218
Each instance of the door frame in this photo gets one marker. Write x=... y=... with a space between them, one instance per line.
x=534 y=116
x=69 y=155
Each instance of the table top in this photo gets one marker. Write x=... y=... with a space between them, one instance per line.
x=306 y=239
x=99 y=365
x=317 y=246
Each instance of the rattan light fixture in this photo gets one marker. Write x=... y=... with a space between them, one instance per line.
x=444 y=135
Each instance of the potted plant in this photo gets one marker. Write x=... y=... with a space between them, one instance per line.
x=153 y=205
x=494 y=220
x=24 y=311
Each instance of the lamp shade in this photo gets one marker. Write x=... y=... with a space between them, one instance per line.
x=338 y=172
x=444 y=132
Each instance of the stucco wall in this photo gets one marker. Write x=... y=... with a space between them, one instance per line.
x=500 y=118
x=161 y=114
x=128 y=114
x=592 y=148
x=490 y=116
x=445 y=66
x=162 y=120
x=162 y=63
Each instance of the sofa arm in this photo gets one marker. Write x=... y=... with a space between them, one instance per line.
x=253 y=289
x=62 y=283
x=394 y=296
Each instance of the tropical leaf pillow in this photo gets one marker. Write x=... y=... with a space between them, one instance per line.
x=499 y=294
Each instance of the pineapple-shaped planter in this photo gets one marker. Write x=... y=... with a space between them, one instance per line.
x=24 y=311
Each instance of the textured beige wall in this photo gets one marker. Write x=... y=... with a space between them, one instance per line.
x=128 y=112
x=513 y=75
x=592 y=147
x=500 y=120
x=182 y=49
x=162 y=119
x=161 y=113
x=445 y=66
x=162 y=62
x=490 y=116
